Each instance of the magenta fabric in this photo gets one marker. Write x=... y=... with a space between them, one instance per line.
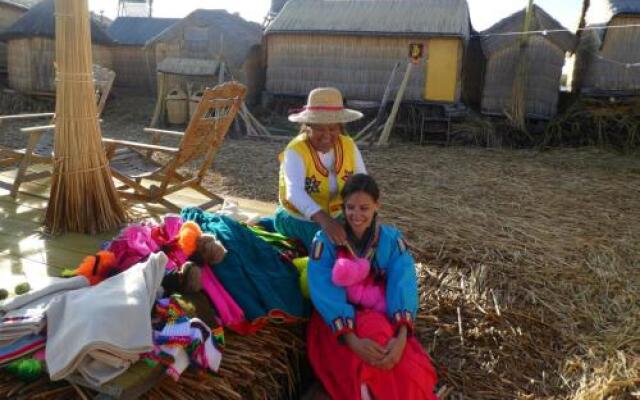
x=228 y=310
x=133 y=245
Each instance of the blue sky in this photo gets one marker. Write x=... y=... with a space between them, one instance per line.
x=484 y=13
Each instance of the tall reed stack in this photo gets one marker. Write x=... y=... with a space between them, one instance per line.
x=83 y=197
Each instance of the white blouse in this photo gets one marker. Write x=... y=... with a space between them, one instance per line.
x=294 y=178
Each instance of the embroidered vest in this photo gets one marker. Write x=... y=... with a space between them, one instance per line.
x=317 y=176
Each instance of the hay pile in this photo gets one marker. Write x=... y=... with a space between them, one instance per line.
x=597 y=122
x=266 y=365
x=530 y=267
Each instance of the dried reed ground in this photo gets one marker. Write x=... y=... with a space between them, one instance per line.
x=534 y=257
x=553 y=237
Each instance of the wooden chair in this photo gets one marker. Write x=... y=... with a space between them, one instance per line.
x=39 y=149
x=131 y=162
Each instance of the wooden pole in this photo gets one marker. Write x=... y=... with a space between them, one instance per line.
x=383 y=105
x=384 y=138
x=519 y=92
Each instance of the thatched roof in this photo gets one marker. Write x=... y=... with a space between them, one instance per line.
x=374 y=17
x=188 y=66
x=514 y=23
x=276 y=6
x=24 y=4
x=39 y=21
x=137 y=31
x=601 y=11
x=237 y=34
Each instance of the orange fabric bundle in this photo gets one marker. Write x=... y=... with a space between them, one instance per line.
x=96 y=268
x=188 y=237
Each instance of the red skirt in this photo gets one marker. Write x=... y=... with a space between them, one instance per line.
x=342 y=372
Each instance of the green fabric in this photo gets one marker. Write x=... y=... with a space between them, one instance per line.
x=252 y=271
x=293 y=227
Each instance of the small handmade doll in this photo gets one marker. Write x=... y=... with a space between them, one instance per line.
x=354 y=274
x=197 y=249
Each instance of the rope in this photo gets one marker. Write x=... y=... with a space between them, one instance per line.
x=546 y=32
x=77 y=171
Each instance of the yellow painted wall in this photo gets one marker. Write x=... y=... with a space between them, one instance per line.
x=441 y=82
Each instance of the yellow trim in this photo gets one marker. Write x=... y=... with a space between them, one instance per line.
x=344 y=151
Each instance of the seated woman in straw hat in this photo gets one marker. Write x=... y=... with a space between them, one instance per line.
x=314 y=167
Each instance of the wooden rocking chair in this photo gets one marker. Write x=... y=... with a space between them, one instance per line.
x=39 y=149
x=131 y=162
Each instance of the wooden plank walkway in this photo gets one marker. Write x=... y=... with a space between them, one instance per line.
x=28 y=255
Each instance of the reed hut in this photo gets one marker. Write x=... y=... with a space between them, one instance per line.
x=214 y=35
x=546 y=53
x=608 y=53
x=10 y=12
x=354 y=45
x=473 y=67
x=135 y=64
x=31 y=49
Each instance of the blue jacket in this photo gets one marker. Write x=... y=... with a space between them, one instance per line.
x=394 y=262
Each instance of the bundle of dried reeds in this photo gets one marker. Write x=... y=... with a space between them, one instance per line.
x=83 y=198
x=518 y=112
x=597 y=122
x=261 y=366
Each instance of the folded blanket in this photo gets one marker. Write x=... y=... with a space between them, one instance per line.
x=21 y=347
x=24 y=315
x=49 y=287
x=100 y=331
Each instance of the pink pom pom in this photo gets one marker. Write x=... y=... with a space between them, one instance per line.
x=347 y=272
x=373 y=298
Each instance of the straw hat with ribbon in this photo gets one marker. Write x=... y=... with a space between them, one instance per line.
x=325 y=106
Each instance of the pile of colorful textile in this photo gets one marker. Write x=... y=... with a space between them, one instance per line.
x=161 y=295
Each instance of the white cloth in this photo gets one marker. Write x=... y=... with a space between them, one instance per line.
x=232 y=210
x=295 y=174
x=50 y=286
x=101 y=330
x=24 y=315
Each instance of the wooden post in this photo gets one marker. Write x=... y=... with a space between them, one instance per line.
x=384 y=138
x=519 y=92
x=383 y=106
x=159 y=110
